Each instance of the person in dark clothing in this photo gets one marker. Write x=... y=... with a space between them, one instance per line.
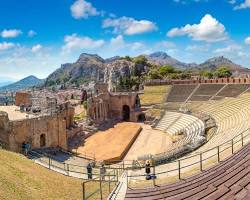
x=23 y=147
x=89 y=170
x=147 y=170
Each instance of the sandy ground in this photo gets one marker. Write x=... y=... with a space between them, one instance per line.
x=14 y=112
x=149 y=141
x=111 y=144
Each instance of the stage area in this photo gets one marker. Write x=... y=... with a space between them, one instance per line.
x=150 y=141
x=111 y=145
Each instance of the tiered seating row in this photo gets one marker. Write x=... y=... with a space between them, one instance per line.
x=206 y=91
x=180 y=93
x=232 y=117
x=233 y=90
x=228 y=180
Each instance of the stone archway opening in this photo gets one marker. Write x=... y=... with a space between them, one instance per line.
x=42 y=140
x=126 y=113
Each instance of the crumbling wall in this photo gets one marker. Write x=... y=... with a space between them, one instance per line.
x=23 y=98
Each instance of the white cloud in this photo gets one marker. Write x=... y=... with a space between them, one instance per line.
x=83 y=9
x=244 y=5
x=117 y=42
x=6 y=46
x=209 y=30
x=247 y=40
x=232 y=1
x=129 y=26
x=31 y=33
x=166 y=44
x=36 y=48
x=11 y=33
x=198 y=48
x=229 y=49
x=74 y=42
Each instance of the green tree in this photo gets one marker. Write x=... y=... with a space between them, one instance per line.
x=222 y=72
x=207 y=74
x=140 y=60
x=154 y=74
x=166 y=70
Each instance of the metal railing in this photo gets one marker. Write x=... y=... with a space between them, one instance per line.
x=100 y=187
x=190 y=165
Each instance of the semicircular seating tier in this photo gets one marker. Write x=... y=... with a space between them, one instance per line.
x=227 y=180
x=175 y=123
x=232 y=117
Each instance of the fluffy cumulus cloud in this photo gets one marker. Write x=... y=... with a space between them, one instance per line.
x=6 y=45
x=75 y=42
x=36 y=48
x=227 y=50
x=209 y=29
x=129 y=26
x=244 y=5
x=11 y=33
x=119 y=43
x=247 y=40
x=31 y=33
x=83 y=9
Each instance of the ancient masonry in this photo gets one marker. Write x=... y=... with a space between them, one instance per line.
x=105 y=105
x=40 y=129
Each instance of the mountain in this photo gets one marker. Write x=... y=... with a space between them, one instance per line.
x=216 y=62
x=161 y=58
x=88 y=67
x=93 y=68
x=6 y=81
x=25 y=83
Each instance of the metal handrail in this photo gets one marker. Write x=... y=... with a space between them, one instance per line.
x=201 y=159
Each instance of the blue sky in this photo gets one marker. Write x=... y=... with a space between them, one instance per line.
x=36 y=37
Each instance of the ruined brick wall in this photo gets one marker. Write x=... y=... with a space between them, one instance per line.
x=23 y=98
x=4 y=127
x=30 y=130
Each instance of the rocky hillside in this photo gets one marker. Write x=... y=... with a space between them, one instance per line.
x=214 y=63
x=87 y=68
x=25 y=83
x=91 y=67
x=162 y=58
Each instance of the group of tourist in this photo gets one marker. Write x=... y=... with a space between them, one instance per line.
x=90 y=166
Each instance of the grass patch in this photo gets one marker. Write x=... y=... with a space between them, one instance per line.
x=154 y=94
x=154 y=113
x=22 y=179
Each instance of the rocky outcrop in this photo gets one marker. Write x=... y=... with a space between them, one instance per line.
x=87 y=68
x=115 y=70
x=216 y=62
x=162 y=58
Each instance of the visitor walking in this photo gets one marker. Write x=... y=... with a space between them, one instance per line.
x=102 y=171
x=147 y=170
x=89 y=170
